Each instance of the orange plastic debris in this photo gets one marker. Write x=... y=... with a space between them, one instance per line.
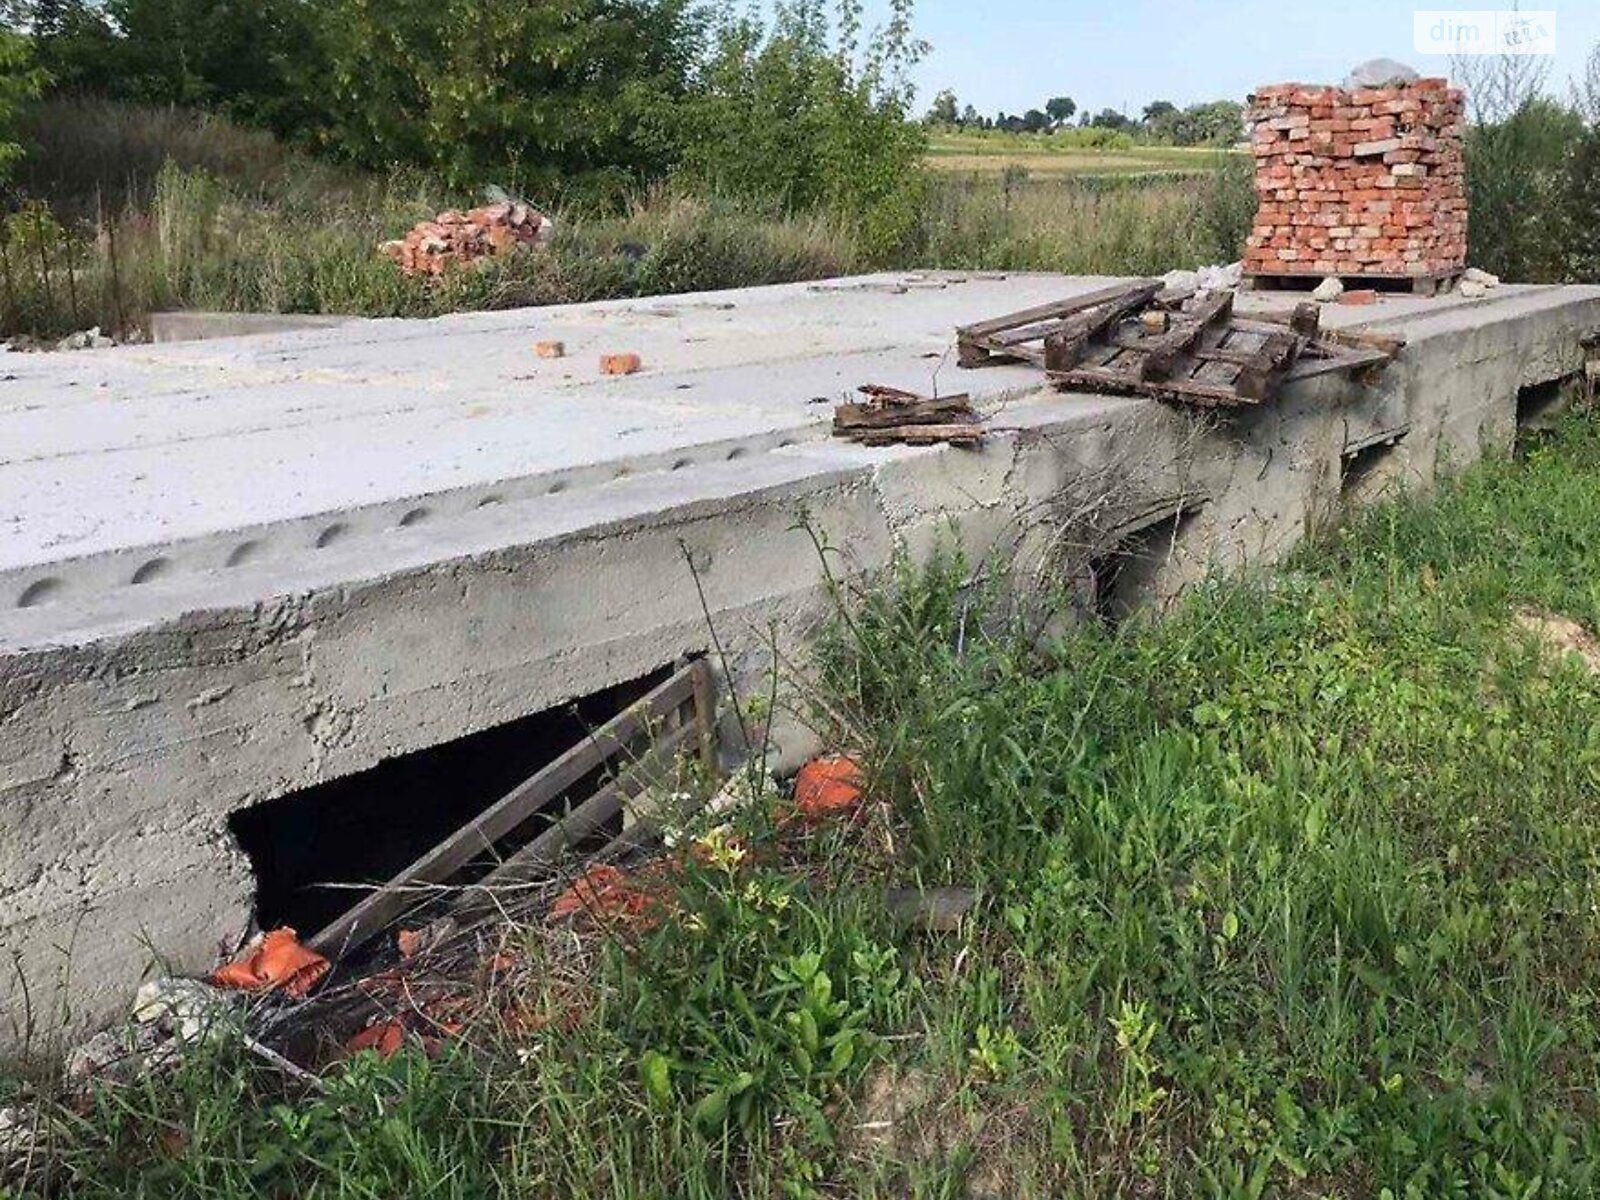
x=385 y=1037
x=619 y=364
x=827 y=787
x=277 y=961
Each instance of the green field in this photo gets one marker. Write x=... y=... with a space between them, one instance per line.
x=1065 y=154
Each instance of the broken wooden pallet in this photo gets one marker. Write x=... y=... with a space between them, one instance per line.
x=1135 y=339
x=631 y=751
x=892 y=416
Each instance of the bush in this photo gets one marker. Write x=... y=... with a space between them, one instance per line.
x=1581 y=203
x=1516 y=170
x=87 y=156
x=786 y=116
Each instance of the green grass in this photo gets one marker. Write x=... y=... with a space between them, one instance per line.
x=992 y=151
x=201 y=243
x=1291 y=894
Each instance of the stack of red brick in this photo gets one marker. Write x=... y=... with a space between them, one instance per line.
x=456 y=237
x=1366 y=182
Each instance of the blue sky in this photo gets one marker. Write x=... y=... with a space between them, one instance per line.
x=1014 y=54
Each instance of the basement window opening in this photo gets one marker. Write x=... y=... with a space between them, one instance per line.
x=1125 y=576
x=316 y=852
x=1368 y=472
x=1540 y=406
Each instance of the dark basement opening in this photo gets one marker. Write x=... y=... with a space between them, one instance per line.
x=364 y=828
x=1540 y=406
x=1367 y=472
x=1125 y=575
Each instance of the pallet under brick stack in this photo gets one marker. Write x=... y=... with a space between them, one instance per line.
x=1367 y=185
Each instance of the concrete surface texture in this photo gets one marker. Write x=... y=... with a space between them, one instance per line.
x=234 y=569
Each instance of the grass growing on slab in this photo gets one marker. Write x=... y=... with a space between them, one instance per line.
x=1292 y=894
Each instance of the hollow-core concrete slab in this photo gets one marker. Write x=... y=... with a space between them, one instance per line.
x=237 y=568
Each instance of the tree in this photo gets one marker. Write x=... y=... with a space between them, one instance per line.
x=1035 y=121
x=20 y=81
x=943 y=111
x=1215 y=123
x=790 y=113
x=1060 y=109
x=529 y=93
x=970 y=118
x=1110 y=118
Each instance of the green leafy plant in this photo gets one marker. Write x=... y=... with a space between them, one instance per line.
x=21 y=81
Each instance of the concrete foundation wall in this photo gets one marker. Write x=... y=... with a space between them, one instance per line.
x=129 y=738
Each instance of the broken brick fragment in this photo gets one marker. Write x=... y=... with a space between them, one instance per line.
x=386 y=1038
x=550 y=349
x=828 y=787
x=608 y=895
x=619 y=364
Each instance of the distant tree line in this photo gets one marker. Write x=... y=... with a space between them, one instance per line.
x=555 y=97
x=1216 y=122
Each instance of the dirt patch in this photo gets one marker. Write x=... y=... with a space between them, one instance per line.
x=1560 y=634
x=891 y=1113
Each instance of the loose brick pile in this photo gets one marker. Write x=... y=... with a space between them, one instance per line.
x=456 y=237
x=1367 y=182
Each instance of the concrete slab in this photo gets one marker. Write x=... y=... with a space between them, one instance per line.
x=233 y=569
x=199 y=325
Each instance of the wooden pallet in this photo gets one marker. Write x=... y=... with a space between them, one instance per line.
x=1138 y=340
x=1433 y=284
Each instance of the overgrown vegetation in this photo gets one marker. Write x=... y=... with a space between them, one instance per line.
x=1530 y=169
x=235 y=221
x=563 y=100
x=681 y=148
x=1290 y=894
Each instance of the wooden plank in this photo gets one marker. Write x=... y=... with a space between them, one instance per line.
x=1223 y=355
x=705 y=713
x=1057 y=308
x=1188 y=391
x=1257 y=377
x=389 y=900
x=1094 y=379
x=1358 y=338
x=850 y=417
x=1002 y=342
x=965 y=433
x=1063 y=349
x=1355 y=360
x=582 y=823
x=1161 y=353
x=1306 y=319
